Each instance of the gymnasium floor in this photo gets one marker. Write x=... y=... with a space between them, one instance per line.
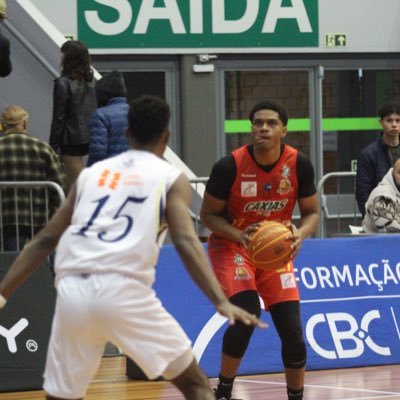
x=369 y=383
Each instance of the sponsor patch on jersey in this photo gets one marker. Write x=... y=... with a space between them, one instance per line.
x=285 y=186
x=267 y=187
x=241 y=272
x=266 y=206
x=238 y=259
x=285 y=171
x=133 y=179
x=288 y=280
x=248 y=175
x=248 y=189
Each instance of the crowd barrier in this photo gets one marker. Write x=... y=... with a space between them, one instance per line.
x=28 y=191
x=338 y=205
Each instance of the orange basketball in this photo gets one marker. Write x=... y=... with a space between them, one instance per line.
x=268 y=247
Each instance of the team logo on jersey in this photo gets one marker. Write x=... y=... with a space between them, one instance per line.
x=249 y=189
x=241 y=274
x=285 y=186
x=109 y=178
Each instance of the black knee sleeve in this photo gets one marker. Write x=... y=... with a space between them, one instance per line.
x=286 y=318
x=237 y=336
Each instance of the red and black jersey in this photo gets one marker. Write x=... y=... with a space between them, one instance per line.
x=257 y=195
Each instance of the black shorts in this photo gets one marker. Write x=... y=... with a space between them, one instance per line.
x=74 y=150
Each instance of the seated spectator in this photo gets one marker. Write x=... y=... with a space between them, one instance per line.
x=25 y=158
x=5 y=62
x=109 y=122
x=383 y=205
x=378 y=157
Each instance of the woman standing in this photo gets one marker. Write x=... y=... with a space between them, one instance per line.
x=74 y=101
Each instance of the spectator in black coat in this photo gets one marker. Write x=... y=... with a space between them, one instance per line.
x=74 y=101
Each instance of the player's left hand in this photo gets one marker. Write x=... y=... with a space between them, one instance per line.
x=234 y=313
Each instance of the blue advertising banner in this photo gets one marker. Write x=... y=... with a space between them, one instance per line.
x=350 y=307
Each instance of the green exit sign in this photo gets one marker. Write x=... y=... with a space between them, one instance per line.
x=336 y=40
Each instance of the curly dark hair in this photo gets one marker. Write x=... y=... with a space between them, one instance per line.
x=76 y=61
x=148 y=118
x=270 y=105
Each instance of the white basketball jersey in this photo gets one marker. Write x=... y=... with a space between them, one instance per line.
x=118 y=217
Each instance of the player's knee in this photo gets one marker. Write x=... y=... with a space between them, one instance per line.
x=237 y=336
x=236 y=339
x=248 y=300
x=294 y=353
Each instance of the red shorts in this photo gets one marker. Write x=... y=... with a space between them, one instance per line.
x=236 y=273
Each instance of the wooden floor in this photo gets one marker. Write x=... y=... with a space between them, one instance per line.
x=345 y=384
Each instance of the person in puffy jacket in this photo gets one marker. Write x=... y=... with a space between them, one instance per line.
x=74 y=101
x=110 y=121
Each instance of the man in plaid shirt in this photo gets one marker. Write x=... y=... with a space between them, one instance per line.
x=23 y=212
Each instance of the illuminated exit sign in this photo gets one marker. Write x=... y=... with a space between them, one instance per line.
x=197 y=24
x=336 y=40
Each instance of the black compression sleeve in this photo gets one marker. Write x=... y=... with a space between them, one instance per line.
x=222 y=177
x=305 y=176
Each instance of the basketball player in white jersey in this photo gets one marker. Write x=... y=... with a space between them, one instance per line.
x=108 y=233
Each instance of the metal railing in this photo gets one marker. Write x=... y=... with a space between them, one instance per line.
x=198 y=185
x=338 y=209
x=31 y=186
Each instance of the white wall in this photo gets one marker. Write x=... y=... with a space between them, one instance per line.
x=370 y=25
x=35 y=55
x=62 y=13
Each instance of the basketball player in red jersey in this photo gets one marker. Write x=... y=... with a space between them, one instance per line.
x=261 y=181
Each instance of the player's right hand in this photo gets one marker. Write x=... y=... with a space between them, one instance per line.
x=234 y=313
x=248 y=232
